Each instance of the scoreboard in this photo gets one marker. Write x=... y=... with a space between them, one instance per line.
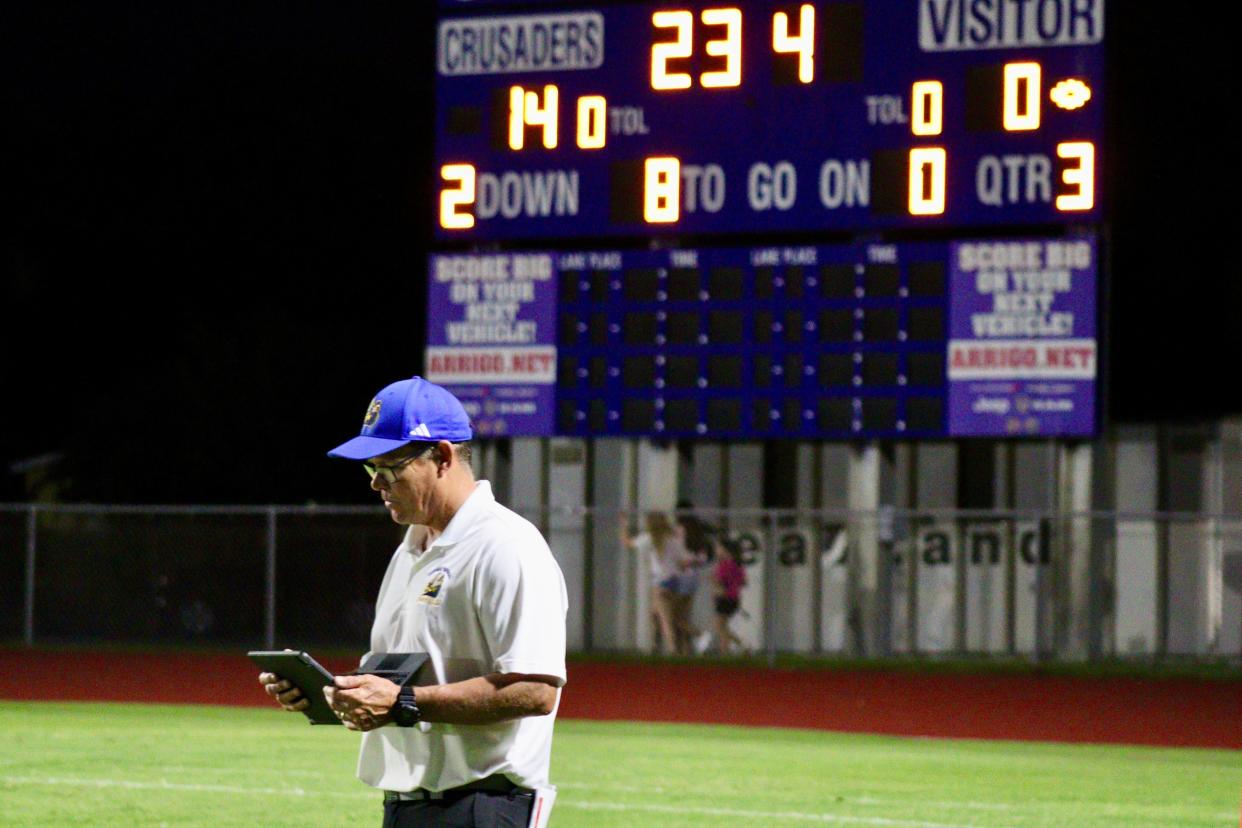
x=604 y=160
x=638 y=118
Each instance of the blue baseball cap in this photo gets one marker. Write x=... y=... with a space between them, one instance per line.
x=412 y=410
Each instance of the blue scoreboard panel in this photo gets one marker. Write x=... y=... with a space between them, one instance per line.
x=564 y=122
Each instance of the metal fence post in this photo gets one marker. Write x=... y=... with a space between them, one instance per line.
x=1046 y=532
x=1216 y=585
x=769 y=590
x=911 y=557
x=32 y=525
x=816 y=559
x=960 y=610
x=588 y=577
x=1011 y=583
x=269 y=604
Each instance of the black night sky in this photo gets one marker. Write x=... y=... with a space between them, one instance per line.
x=218 y=223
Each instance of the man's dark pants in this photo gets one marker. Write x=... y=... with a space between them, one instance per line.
x=480 y=809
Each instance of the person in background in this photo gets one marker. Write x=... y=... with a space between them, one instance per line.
x=666 y=558
x=699 y=536
x=728 y=578
x=699 y=540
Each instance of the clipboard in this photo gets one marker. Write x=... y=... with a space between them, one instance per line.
x=303 y=672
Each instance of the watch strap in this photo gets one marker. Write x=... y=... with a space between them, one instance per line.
x=405 y=712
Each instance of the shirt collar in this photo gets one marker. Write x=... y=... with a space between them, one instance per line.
x=415 y=539
x=463 y=521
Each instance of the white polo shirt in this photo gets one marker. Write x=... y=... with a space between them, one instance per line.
x=486 y=597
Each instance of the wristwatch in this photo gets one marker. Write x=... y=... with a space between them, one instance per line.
x=405 y=712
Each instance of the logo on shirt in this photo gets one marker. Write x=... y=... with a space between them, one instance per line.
x=435 y=585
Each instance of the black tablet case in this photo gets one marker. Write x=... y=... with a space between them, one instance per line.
x=306 y=674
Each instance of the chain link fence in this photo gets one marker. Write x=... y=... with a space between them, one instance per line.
x=951 y=583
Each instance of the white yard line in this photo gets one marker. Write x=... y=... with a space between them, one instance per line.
x=565 y=802
x=793 y=816
x=941 y=803
x=200 y=770
x=740 y=813
x=165 y=785
x=1128 y=808
x=608 y=787
x=876 y=802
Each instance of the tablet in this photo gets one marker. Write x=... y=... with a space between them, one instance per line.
x=304 y=673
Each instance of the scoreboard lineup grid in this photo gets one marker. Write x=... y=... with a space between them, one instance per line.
x=828 y=348
x=625 y=141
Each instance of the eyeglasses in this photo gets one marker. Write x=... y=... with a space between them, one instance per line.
x=389 y=473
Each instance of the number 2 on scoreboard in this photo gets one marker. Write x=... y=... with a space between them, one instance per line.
x=454 y=202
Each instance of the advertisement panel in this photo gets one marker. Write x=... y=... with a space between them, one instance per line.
x=491 y=338
x=1022 y=351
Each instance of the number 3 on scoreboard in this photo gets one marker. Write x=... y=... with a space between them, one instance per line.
x=1081 y=176
x=456 y=201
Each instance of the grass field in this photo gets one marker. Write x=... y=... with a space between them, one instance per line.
x=149 y=765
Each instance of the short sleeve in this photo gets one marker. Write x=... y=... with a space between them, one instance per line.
x=522 y=604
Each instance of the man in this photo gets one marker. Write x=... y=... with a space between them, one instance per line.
x=475 y=587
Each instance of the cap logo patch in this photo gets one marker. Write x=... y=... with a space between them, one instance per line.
x=420 y=430
x=372 y=414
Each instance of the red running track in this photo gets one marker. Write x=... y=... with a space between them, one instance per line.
x=1172 y=712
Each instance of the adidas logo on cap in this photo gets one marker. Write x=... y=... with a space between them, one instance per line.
x=420 y=430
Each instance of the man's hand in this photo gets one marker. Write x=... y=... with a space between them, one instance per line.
x=285 y=694
x=362 y=702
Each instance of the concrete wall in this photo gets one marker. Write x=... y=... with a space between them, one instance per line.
x=1137 y=624
x=846 y=576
